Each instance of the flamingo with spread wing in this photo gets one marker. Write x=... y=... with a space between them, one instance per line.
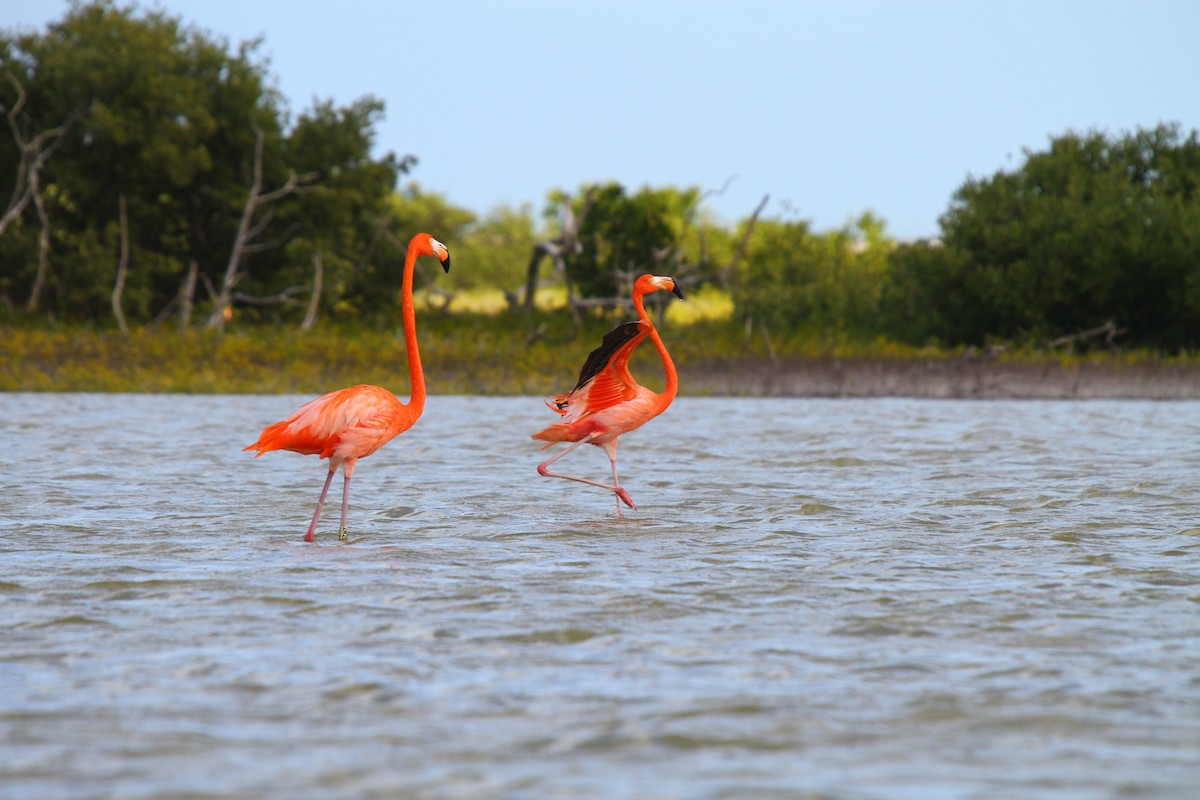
x=607 y=402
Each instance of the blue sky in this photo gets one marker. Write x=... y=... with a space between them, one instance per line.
x=833 y=108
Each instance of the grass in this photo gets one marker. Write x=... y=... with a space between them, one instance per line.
x=478 y=349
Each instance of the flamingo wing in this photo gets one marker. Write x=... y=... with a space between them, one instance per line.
x=605 y=380
x=357 y=416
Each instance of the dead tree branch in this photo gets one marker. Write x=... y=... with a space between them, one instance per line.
x=726 y=273
x=1108 y=330
x=314 y=297
x=187 y=294
x=286 y=296
x=28 y=185
x=122 y=267
x=33 y=154
x=566 y=242
x=248 y=229
x=39 y=203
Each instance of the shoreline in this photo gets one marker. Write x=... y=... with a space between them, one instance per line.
x=951 y=379
x=245 y=365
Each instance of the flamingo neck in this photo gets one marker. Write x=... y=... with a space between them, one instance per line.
x=408 y=314
x=668 y=393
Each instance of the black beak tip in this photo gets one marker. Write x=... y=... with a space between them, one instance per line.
x=446 y=263
x=678 y=292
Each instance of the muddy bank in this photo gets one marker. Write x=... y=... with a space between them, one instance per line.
x=950 y=378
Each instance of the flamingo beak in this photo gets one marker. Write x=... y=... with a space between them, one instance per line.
x=446 y=262
x=675 y=288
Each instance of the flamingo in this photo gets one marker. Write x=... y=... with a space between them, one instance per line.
x=353 y=423
x=607 y=401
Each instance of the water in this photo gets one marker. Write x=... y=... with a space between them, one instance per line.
x=825 y=599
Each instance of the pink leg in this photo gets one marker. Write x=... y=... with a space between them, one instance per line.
x=348 y=471
x=611 y=449
x=312 y=527
x=622 y=495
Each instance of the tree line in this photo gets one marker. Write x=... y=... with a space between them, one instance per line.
x=156 y=177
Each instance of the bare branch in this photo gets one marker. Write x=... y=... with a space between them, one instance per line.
x=727 y=271
x=33 y=155
x=250 y=234
x=1108 y=330
x=294 y=183
x=43 y=241
x=187 y=294
x=717 y=192
x=314 y=297
x=248 y=230
x=286 y=296
x=122 y=266
x=556 y=248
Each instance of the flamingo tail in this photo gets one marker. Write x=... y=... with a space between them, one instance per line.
x=273 y=437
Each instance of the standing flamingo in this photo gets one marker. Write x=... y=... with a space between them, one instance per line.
x=607 y=401
x=353 y=423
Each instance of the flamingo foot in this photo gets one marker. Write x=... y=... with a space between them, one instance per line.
x=624 y=497
x=308 y=537
x=342 y=531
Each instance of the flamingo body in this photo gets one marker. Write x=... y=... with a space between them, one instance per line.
x=349 y=423
x=352 y=423
x=607 y=402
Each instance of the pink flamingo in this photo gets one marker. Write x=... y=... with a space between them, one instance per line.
x=607 y=401
x=353 y=423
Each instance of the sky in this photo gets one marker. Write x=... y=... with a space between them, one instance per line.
x=830 y=108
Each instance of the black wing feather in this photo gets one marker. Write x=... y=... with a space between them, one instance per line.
x=613 y=340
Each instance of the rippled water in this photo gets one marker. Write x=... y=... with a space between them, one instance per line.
x=829 y=599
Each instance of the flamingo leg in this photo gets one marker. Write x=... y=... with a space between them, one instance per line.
x=611 y=449
x=622 y=495
x=345 y=506
x=312 y=526
x=348 y=471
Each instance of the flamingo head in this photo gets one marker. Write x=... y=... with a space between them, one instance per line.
x=429 y=246
x=653 y=283
x=440 y=251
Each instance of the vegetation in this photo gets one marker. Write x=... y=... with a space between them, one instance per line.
x=161 y=192
x=463 y=353
x=1095 y=229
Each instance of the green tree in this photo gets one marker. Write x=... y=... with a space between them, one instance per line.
x=623 y=236
x=153 y=132
x=829 y=283
x=336 y=227
x=494 y=249
x=372 y=286
x=921 y=300
x=172 y=118
x=1092 y=230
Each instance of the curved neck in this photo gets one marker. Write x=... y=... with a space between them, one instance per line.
x=668 y=365
x=408 y=313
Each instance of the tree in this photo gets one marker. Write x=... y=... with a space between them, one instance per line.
x=341 y=224
x=922 y=297
x=495 y=248
x=1092 y=230
x=183 y=126
x=372 y=285
x=159 y=119
x=830 y=283
x=623 y=236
